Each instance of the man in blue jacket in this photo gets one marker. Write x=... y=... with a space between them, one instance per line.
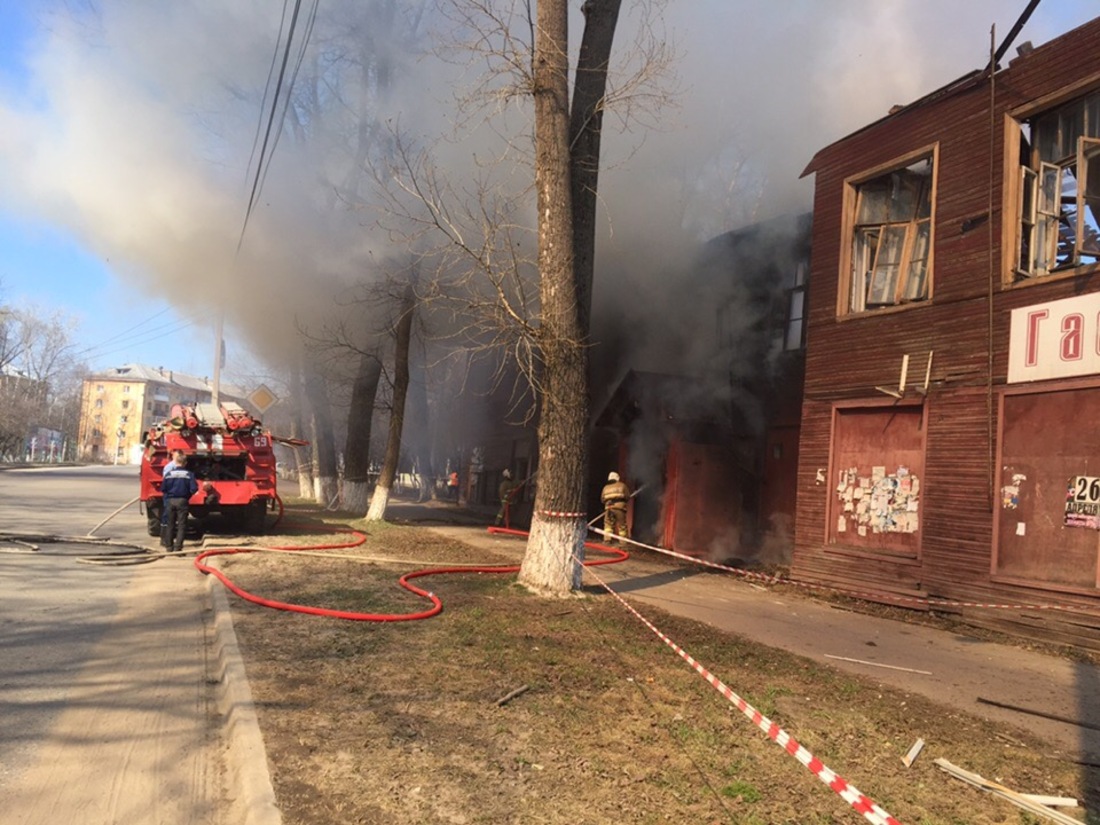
x=171 y=465
x=178 y=486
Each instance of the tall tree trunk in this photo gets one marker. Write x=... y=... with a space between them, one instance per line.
x=555 y=549
x=585 y=133
x=357 y=447
x=303 y=456
x=381 y=496
x=417 y=424
x=325 y=487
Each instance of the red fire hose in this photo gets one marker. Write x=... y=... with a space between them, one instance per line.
x=617 y=555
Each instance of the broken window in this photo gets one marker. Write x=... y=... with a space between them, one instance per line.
x=794 y=337
x=891 y=238
x=1059 y=183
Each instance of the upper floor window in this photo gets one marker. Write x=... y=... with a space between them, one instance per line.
x=794 y=335
x=891 y=237
x=1059 y=189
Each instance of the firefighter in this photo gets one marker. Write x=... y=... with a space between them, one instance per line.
x=178 y=486
x=614 y=497
x=507 y=492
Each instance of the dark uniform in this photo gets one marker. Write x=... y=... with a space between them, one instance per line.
x=507 y=492
x=178 y=486
x=171 y=465
x=615 y=497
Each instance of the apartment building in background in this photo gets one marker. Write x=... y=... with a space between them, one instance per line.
x=119 y=405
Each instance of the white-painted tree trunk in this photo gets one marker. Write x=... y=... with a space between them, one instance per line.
x=305 y=485
x=545 y=568
x=378 y=502
x=326 y=489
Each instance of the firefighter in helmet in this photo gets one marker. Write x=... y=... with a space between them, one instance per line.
x=615 y=497
x=507 y=492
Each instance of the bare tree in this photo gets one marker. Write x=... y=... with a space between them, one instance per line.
x=482 y=227
x=585 y=135
x=417 y=427
x=360 y=419
x=555 y=549
x=387 y=475
x=360 y=50
x=303 y=456
x=40 y=377
x=325 y=484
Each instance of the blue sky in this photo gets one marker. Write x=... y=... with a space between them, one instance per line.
x=46 y=267
x=133 y=291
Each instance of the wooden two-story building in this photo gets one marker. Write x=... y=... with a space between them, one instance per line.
x=949 y=447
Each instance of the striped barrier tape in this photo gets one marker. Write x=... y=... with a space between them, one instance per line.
x=870 y=810
x=560 y=514
x=869 y=595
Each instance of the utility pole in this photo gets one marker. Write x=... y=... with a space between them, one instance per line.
x=219 y=352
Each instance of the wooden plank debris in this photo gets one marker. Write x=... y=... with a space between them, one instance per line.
x=1018 y=799
x=1052 y=801
x=914 y=751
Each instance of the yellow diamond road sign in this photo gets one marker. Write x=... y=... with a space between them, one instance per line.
x=262 y=398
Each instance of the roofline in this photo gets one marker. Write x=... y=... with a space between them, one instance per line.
x=957 y=86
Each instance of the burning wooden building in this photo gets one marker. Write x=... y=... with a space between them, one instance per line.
x=715 y=453
x=954 y=348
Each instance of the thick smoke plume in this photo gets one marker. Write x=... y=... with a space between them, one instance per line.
x=135 y=132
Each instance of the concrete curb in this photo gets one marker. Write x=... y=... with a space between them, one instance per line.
x=248 y=779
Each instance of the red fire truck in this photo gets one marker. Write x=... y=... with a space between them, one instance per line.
x=230 y=454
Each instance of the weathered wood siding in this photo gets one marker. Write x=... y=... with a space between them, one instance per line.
x=968 y=338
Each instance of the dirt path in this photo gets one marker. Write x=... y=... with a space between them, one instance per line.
x=136 y=742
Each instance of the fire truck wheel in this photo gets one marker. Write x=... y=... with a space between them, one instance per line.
x=152 y=523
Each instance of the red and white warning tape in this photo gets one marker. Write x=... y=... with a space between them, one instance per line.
x=869 y=595
x=849 y=793
x=559 y=514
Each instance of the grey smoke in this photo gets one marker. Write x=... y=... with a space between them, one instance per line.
x=140 y=128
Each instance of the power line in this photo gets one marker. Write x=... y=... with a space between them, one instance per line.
x=264 y=159
x=136 y=341
x=125 y=332
x=267 y=87
x=290 y=88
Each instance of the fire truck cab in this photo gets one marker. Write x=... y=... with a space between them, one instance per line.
x=231 y=455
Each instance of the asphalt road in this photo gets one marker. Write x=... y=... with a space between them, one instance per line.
x=106 y=690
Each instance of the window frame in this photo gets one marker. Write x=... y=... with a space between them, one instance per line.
x=1088 y=148
x=1030 y=254
x=794 y=325
x=848 y=302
